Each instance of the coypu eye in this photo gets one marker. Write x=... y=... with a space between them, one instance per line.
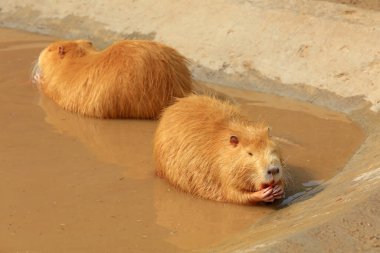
x=249 y=153
x=234 y=140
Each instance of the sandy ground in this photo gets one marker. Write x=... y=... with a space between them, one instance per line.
x=77 y=184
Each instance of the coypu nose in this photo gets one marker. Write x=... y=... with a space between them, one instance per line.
x=273 y=170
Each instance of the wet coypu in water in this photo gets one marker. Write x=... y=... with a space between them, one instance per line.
x=205 y=147
x=129 y=79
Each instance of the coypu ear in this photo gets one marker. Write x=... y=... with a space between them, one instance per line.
x=263 y=132
x=234 y=141
x=61 y=51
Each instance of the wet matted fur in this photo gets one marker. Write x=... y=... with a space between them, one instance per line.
x=129 y=79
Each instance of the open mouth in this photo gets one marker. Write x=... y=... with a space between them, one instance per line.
x=270 y=184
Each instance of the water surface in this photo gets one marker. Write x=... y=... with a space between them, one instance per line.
x=74 y=184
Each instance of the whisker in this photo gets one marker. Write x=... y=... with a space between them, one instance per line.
x=36 y=73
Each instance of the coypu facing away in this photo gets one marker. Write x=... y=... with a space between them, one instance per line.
x=205 y=147
x=129 y=79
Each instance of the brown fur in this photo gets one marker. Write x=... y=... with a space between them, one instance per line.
x=192 y=150
x=130 y=79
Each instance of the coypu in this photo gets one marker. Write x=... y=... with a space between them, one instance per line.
x=129 y=79
x=205 y=147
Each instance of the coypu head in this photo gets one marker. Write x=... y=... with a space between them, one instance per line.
x=62 y=49
x=256 y=160
x=58 y=52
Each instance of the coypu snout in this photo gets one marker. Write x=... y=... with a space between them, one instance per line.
x=273 y=171
x=255 y=158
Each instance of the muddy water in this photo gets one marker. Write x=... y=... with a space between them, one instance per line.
x=73 y=184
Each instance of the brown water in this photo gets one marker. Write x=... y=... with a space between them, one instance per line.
x=73 y=184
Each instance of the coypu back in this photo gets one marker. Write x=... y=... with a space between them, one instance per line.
x=205 y=147
x=130 y=79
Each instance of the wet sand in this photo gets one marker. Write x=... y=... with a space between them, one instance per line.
x=69 y=183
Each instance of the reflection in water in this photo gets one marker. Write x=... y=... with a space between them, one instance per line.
x=195 y=222
x=127 y=143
